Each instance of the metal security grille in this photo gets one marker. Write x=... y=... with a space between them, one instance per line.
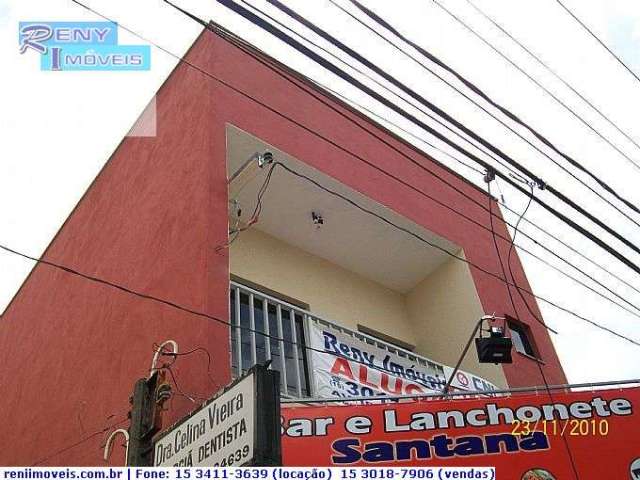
x=283 y=343
x=286 y=333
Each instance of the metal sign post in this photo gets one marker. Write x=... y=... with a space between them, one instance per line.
x=239 y=426
x=268 y=445
x=146 y=405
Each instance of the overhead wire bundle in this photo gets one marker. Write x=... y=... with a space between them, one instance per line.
x=515 y=176
x=506 y=112
x=376 y=96
x=266 y=106
x=537 y=242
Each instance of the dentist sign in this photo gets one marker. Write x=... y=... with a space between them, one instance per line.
x=81 y=46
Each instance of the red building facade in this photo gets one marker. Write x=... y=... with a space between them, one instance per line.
x=152 y=221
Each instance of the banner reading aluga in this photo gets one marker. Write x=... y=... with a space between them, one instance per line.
x=522 y=435
x=356 y=368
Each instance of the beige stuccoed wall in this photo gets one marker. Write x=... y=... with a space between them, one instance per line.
x=437 y=315
x=332 y=292
x=443 y=310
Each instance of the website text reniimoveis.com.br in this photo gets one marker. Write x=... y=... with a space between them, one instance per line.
x=64 y=473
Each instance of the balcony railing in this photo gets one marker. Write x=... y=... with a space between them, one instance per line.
x=285 y=329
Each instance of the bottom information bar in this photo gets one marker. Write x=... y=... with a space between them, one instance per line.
x=248 y=473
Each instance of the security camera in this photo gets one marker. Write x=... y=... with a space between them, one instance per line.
x=265 y=158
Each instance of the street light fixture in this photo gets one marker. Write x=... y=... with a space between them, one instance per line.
x=496 y=348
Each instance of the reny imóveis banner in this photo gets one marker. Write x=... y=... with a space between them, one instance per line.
x=356 y=367
x=565 y=436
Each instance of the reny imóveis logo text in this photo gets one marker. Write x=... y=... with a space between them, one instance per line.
x=78 y=46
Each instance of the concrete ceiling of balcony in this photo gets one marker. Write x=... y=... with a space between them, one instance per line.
x=350 y=238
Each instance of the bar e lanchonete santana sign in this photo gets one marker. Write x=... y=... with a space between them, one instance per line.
x=528 y=437
x=236 y=427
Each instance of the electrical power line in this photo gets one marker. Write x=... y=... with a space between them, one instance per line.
x=510 y=115
x=513 y=243
x=222 y=82
x=235 y=233
x=189 y=310
x=407 y=231
x=499 y=257
x=86 y=438
x=489 y=178
x=415 y=137
x=372 y=113
x=573 y=249
x=332 y=68
x=384 y=74
x=520 y=218
x=198 y=313
x=184 y=354
x=377 y=82
x=411 y=102
x=537 y=83
x=347 y=200
x=553 y=72
x=446 y=206
x=193 y=397
x=78 y=443
x=275 y=70
x=462 y=193
x=599 y=41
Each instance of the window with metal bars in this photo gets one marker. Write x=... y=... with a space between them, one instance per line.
x=267 y=329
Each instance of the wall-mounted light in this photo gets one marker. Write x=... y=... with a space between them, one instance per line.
x=496 y=348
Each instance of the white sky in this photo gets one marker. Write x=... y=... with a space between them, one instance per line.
x=58 y=129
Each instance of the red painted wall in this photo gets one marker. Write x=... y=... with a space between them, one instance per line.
x=231 y=64
x=71 y=349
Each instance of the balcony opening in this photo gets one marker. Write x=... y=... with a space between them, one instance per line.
x=339 y=265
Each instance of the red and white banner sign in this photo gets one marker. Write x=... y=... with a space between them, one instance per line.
x=565 y=436
x=355 y=368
